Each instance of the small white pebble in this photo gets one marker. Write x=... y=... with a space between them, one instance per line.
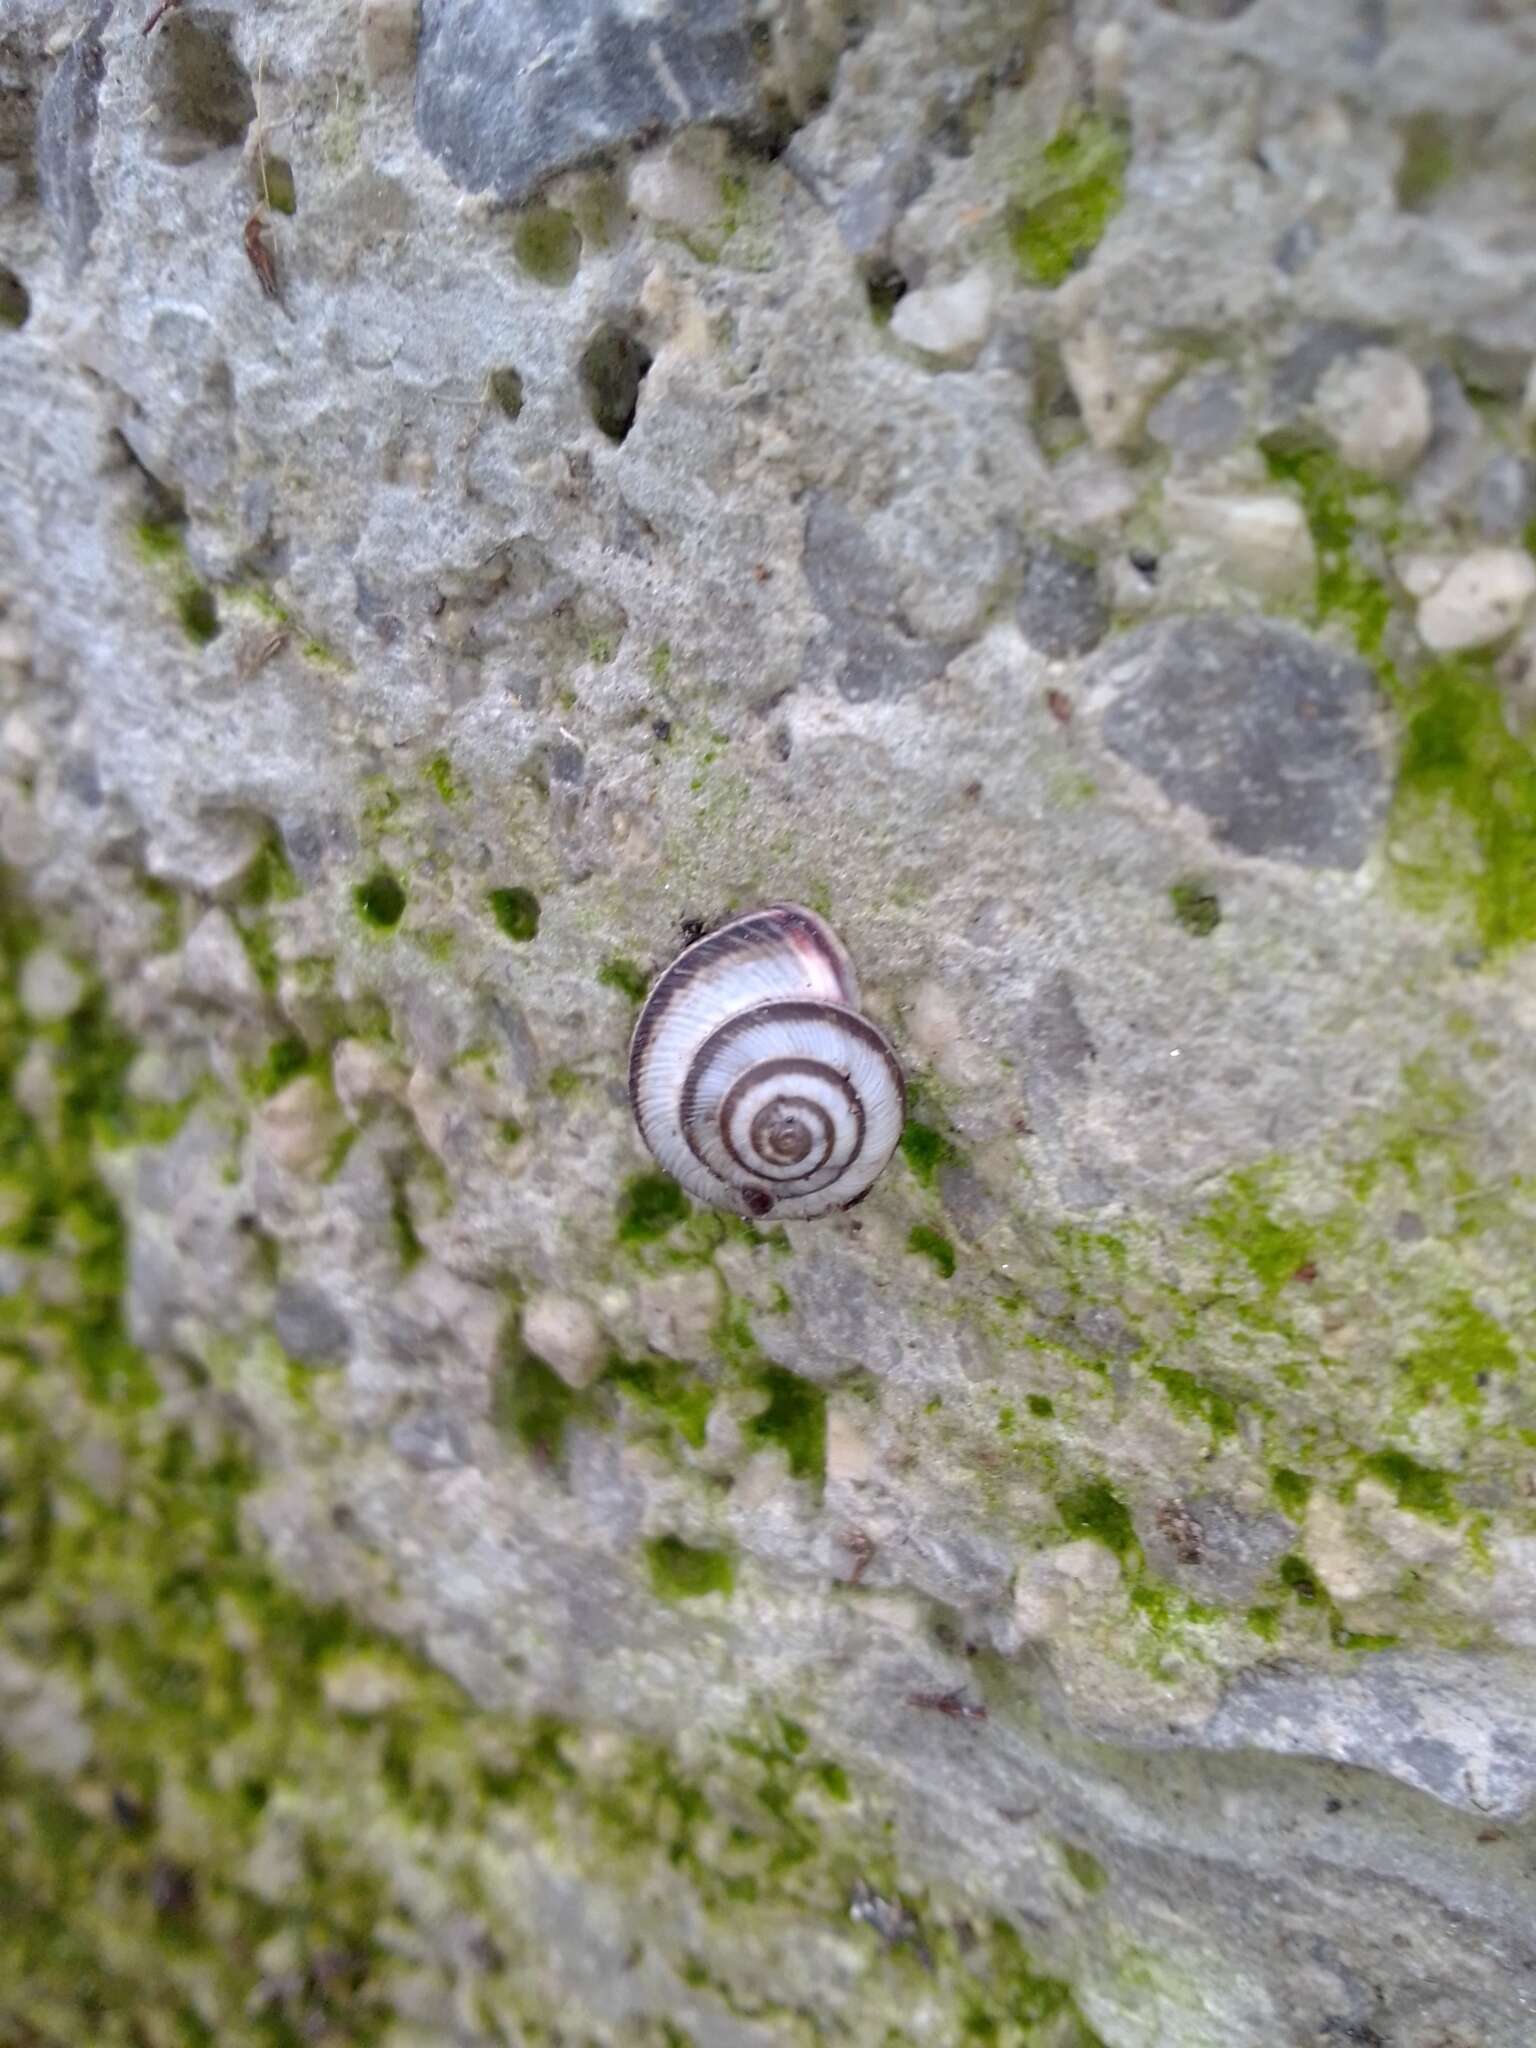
x=950 y=321
x=1114 y=385
x=299 y=1128
x=51 y=989
x=1481 y=601
x=566 y=1335
x=1374 y=407
x=670 y=187
x=215 y=965
x=1262 y=536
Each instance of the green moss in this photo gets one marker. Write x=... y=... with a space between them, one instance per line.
x=269 y=879
x=932 y=1244
x=440 y=775
x=1463 y=825
x=198 y=613
x=925 y=1151
x=1346 y=589
x=795 y=1420
x=509 y=1130
x=380 y=901
x=1419 y=1488
x=660 y=662
x=1196 y=907
x=1464 y=1350
x=161 y=541
x=1192 y=1400
x=1428 y=162
x=531 y=1402
x=1292 y=1490
x=1264 y=1622
x=409 y=1249
x=630 y=981
x=1041 y=1405
x=285 y=1059
x=1095 y=1511
x=652 y=1205
x=1085 y=1867
x=547 y=245
x=516 y=911
x=1058 y=216
x=1298 y=1578
x=681 y=1572
x=1273 y=1249
x=662 y=1387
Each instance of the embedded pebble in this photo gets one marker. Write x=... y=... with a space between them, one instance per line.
x=364 y=1077
x=672 y=187
x=679 y=1312
x=1375 y=408
x=950 y=321
x=1061 y=609
x=1114 y=385
x=215 y=965
x=298 y=1130
x=51 y=989
x=1482 y=600
x=1262 y=537
x=564 y=1333
x=1271 y=735
x=1506 y=497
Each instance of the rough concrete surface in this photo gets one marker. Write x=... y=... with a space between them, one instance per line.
x=472 y=508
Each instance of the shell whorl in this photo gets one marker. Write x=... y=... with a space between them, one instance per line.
x=755 y=1081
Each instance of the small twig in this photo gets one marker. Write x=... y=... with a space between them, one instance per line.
x=953 y=1705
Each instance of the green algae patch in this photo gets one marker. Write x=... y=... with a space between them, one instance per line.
x=532 y=1403
x=1299 y=1579
x=1195 y=907
x=1419 y=1488
x=1058 y=216
x=380 y=901
x=1346 y=589
x=1097 y=1512
x=285 y=1059
x=681 y=1572
x=1273 y=1248
x=1463 y=826
x=1041 y=1405
x=198 y=613
x=1458 y=1358
x=1192 y=1401
x=794 y=1421
x=441 y=776
x=933 y=1245
x=925 y=1150
x=1292 y=1490
x=653 y=1204
x=623 y=975
x=1087 y=1871
x=662 y=1388
x=516 y=912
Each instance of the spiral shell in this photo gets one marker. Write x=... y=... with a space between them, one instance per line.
x=755 y=1081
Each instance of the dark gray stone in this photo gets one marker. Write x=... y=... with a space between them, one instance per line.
x=1298 y=373
x=1506 y=497
x=867 y=215
x=1201 y=417
x=1271 y=736
x=1061 y=609
x=1459 y=1727
x=511 y=92
x=869 y=653
x=1213 y=1550
x=66 y=141
x=310 y=1328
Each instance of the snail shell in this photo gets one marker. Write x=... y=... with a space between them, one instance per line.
x=755 y=1081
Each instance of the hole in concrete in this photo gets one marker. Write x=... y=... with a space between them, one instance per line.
x=278 y=190
x=15 y=299
x=613 y=367
x=201 y=89
x=506 y=390
x=547 y=245
x=885 y=288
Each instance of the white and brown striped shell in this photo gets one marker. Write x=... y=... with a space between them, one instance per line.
x=754 y=1079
